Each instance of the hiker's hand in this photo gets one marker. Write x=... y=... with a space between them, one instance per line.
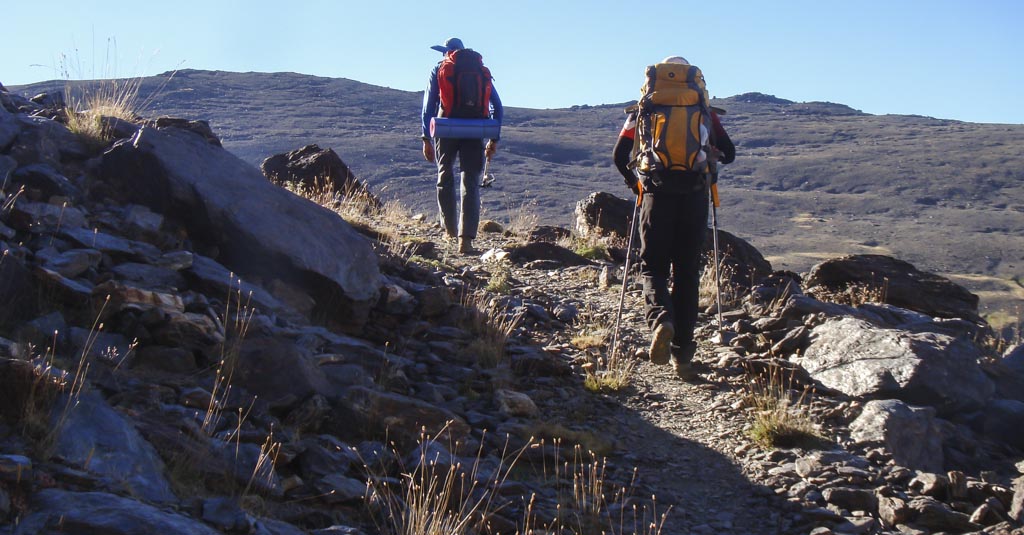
x=490 y=149
x=428 y=150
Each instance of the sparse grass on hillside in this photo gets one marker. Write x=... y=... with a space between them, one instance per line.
x=388 y=221
x=522 y=216
x=500 y=281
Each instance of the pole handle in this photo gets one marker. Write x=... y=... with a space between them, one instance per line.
x=714 y=195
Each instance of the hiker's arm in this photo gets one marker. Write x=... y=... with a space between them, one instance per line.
x=623 y=150
x=430 y=104
x=497 y=110
x=621 y=155
x=722 y=141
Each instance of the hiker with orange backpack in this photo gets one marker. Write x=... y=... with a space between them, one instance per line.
x=460 y=87
x=672 y=140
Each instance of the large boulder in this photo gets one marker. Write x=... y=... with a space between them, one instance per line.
x=900 y=282
x=602 y=214
x=314 y=168
x=258 y=228
x=859 y=359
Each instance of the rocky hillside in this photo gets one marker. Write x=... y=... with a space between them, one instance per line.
x=811 y=180
x=187 y=347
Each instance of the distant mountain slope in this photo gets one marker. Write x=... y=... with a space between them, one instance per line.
x=811 y=180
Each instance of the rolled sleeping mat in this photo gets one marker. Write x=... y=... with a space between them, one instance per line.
x=448 y=127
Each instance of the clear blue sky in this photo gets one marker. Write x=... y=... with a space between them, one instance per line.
x=953 y=59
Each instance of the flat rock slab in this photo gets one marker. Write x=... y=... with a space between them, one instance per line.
x=60 y=511
x=859 y=359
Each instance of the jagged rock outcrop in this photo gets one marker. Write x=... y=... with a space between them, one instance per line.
x=602 y=214
x=315 y=168
x=900 y=284
x=178 y=174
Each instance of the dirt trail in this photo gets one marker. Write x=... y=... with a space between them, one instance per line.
x=686 y=440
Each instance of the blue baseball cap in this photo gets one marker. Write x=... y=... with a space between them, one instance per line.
x=453 y=43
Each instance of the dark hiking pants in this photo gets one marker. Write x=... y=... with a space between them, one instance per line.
x=459 y=222
x=672 y=228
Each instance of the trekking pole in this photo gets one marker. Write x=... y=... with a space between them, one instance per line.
x=714 y=239
x=625 y=273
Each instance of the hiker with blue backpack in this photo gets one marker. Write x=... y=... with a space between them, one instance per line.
x=460 y=109
x=667 y=153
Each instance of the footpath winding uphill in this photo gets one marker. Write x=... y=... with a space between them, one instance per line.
x=873 y=466
x=682 y=438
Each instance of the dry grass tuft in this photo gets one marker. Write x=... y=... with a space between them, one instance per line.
x=238 y=313
x=589 y=502
x=106 y=96
x=732 y=296
x=386 y=222
x=439 y=495
x=854 y=294
x=491 y=326
x=591 y=246
x=522 y=217
x=781 y=414
x=500 y=281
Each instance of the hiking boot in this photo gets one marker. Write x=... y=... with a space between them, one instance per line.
x=661 y=342
x=466 y=246
x=685 y=370
x=682 y=360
